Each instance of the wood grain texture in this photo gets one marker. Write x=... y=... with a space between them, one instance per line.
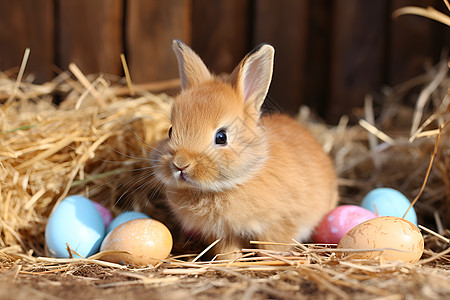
x=220 y=32
x=357 y=54
x=318 y=45
x=27 y=24
x=90 y=34
x=284 y=25
x=151 y=25
x=413 y=42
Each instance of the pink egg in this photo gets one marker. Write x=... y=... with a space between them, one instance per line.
x=104 y=212
x=340 y=220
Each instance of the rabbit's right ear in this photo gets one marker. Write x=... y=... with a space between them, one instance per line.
x=253 y=75
x=191 y=67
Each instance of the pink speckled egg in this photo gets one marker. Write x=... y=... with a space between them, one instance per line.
x=142 y=242
x=339 y=221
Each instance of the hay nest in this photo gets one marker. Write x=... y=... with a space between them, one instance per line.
x=96 y=142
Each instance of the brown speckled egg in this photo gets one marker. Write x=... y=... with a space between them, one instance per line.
x=385 y=232
x=147 y=241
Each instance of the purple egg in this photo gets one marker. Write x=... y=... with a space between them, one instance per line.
x=104 y=212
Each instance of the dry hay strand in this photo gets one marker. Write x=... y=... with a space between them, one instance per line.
x=47 y=151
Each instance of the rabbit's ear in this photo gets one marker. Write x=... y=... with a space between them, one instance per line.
x=192 y=69
x=253 y=75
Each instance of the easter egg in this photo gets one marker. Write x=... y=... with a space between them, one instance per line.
x=77 y=222
x=146 y=241
x=104 y=213
x=338 y=221
x=389 y=202
x=125 y=217
x=385 y=232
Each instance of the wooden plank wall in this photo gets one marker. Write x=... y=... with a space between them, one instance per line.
x=329 y=53
x=28 y=24
x=90 y=34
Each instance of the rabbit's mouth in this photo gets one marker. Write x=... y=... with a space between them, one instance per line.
x=182 y=176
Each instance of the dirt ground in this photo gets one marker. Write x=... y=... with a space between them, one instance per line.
x=91 y=281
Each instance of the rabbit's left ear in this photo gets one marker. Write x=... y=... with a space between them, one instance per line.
x=191 y=67
x=253 y=75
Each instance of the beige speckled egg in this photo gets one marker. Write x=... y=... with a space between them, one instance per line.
x=385 y=232
x=146 y=241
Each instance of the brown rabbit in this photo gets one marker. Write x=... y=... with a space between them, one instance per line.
x=230 y=173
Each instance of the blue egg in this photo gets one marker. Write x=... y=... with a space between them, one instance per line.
x=125 y=217
x=78 y=223
x=389 y=202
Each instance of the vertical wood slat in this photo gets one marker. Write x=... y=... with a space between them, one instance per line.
x=357 y=54
x=151 y=25
x=27 y=24
x=90 y=34
x=413 y=41
x=284 y=25
x=220 y=32
x=317 y=79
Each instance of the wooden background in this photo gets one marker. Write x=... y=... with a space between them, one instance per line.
x=329 y=54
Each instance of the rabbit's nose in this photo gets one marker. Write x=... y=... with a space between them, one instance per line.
x=181 y=162
x=180 y=167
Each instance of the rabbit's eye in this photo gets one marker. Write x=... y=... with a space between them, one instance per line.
x=221 y=137
x=170 y=132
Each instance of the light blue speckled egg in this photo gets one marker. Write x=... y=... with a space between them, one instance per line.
x=389 y=202
x=77 y=222
x=125 y=217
